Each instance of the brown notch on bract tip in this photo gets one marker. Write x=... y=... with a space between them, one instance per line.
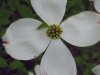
x=5 y=42
x=34 y=56
x=99 y=22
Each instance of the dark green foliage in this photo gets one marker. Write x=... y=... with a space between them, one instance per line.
x=3 y=32
x=4 y=15
x=15 y=65
x=13 y=4
x=3 y=63
x=26 y=11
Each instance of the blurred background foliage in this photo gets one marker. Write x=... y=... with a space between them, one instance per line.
x=11 y=10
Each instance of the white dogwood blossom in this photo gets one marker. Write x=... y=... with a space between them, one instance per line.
x=24 y=42
x=96 y=70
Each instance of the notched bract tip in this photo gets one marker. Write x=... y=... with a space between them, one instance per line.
x=5 y=42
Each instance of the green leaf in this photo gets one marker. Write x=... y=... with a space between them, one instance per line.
x=78 y=59
x=15 y=65
x=94 y=65
x=2 y=32
x=85 y=56
x=43 y=25
x=13 y=4
x=4 y=15
x=3 y=63
x=96 y=55
x=26 y=11
x=86 y=72
x=70 y=4
x=23 y=71
x=78 y=4
x=5 y=22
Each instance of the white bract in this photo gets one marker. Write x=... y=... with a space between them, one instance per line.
x=30 y=73
x=24 y=42
x=97 y=5
x=96 y=70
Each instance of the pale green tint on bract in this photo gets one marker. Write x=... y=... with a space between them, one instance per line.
x=54 y=31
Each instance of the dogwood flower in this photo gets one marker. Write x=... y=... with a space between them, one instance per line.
x=24 y=42
x=96 y=70
x=37 y=70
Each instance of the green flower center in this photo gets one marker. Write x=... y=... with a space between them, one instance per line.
x=54 y=31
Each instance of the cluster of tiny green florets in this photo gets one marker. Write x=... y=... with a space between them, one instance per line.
x=54 y=31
